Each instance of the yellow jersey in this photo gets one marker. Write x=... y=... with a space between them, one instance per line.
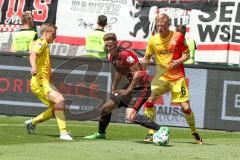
x=43 y=60
x=166 y=50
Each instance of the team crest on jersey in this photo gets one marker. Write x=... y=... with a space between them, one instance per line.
x=39 y=44
x=173 y=43
x=130 y=60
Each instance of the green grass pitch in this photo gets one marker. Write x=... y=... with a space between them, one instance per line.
x=124 y=142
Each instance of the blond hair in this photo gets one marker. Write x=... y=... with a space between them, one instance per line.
x=26 y=18
x=47 y=27
x=163 y=17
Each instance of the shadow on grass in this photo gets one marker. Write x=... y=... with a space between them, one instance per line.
x=51 y=135
x=204 y=143
x=151 y=143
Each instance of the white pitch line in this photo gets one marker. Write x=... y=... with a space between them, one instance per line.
x=43 y=125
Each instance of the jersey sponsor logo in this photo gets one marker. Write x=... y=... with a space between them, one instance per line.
x=130 y=60
x=164 y=51
x=173 y=43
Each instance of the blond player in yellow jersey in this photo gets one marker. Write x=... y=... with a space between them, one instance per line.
x=41 y=86
x=170 y=53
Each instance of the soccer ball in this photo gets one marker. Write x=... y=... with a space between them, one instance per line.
x=161 y=137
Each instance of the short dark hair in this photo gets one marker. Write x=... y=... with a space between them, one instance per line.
x=102 y=20
x=110 y=37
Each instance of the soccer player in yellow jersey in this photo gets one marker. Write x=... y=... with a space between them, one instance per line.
x=170 y=53
x=40 y=83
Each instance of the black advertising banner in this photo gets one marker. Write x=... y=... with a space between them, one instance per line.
x=85 y=84
x=42 y=11
x=222 y=110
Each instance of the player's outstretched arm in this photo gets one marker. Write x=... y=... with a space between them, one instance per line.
x=117 y=78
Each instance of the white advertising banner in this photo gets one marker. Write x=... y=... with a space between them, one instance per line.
x=216 y=30
x=131 y=21
x=125 y=18
x=217 y=33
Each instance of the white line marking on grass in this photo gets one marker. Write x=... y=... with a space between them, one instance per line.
x=31 y=104
x=44 y=125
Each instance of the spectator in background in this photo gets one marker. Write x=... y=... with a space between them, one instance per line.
x=94 y=40
x=24 y=38
x=190 y=43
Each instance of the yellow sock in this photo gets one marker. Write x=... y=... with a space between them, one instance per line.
x=191 y=121
x=151 y=131
x=150 y=113
x=59 y=114
x=43 y=116
x=60 y=120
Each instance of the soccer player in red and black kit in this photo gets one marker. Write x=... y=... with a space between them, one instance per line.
x=133 y=95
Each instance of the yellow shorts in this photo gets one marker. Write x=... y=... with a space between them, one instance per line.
x=177 y=88
x=41 y=90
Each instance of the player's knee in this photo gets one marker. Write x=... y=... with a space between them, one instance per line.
x=60 y=98
x=149 y=104
x=107 y=107
x=59 y=106
x=185 y=107
x=130 y=115
x=129 y=118
x=105 y=110
x=187 y=111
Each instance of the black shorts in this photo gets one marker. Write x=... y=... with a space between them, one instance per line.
x=135 y=99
